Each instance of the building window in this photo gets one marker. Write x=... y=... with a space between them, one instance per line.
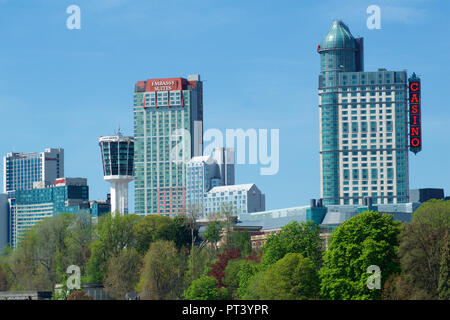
x=162 y=98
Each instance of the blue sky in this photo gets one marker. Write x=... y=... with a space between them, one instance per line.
x=65 y=88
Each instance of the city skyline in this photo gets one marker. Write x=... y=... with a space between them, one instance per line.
x=268 y=82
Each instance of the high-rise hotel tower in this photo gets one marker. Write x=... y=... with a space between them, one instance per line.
x=168 y=132
x=363 y=125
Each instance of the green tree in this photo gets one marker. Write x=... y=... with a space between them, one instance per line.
x=291 y=278
x=238 y=273
x=19 y=266
x=114 y=234
x=396 y=288
x=444 y=277
x=424 y=253
x=182 y=231
x=197 y=262
x=369 y=238
x=213 y=232
x=51 y=249
x=122 y=273
x=228 y=218
x=3 y=281
x=96 y=265
x=300 y=238
x=231 y=279
x=80 y=234
x=163 y=271
x=40 y=259
x=192 y=214
x=240 y=239
x=152 y=228
x=203 y=288
x=245 y=274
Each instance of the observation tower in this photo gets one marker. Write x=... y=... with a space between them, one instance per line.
x=118 y=158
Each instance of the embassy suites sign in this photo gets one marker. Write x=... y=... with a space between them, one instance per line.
x=164 y=84
x=415 y=124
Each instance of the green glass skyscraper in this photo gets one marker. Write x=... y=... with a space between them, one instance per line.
x=363 y=125
x=168 y=132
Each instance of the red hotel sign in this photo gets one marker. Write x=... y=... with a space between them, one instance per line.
x=164 y=84
x=168 y=84
x=60 y=181
x=415 y=126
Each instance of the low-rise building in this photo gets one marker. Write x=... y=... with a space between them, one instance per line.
x=425 y=194
x=242 y=198
x=328 y=218
x=25 y=295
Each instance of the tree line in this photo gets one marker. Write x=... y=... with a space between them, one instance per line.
x=167 y=258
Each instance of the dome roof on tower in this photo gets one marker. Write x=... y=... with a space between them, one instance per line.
x=338 y=37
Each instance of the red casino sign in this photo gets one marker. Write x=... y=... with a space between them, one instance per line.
x=415 y=126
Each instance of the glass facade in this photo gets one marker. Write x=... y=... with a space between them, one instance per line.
x=328 y=217
x=338 y=53
x=35 y=205
x=118 y=168
x=117 y=156
x=363 y=125
x=165 y=119
x=22 y=170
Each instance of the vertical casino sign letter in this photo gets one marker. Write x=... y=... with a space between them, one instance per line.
x=415 y=125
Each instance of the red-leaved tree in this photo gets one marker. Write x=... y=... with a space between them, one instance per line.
x=218 y=268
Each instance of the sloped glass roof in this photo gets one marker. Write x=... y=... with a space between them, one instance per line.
x=339 y=36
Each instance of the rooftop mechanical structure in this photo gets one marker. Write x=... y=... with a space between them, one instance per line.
x=117 y=157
